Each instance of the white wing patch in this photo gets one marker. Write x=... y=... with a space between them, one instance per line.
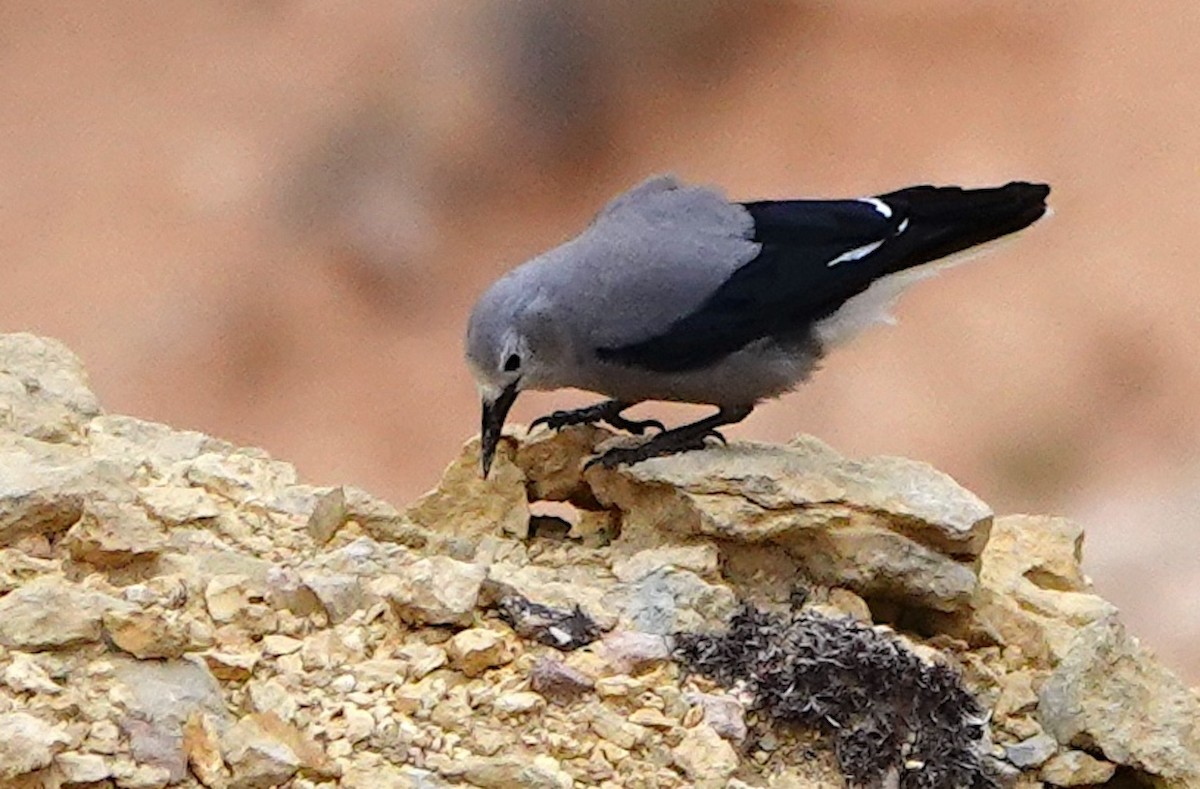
x=880 y=206
x=856 y=253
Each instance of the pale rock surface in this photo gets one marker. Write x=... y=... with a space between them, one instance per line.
x=174 y=609
x=1076 y=768
x=44 y=389
x=1032 y=593
x=81 y=768
x=437 y=590
x=40 y=487
x=474 y=505
x=1109 y=693
x=51 y=612
x=705 y=758
x=263 y=751
x=111 y=535
x=202 y=747
x=27 y=744
x=158 y=698
x=25 y=675
x=477 y=649
x=153 y=632
x=174 y=505
x=1031 y=752
x=885 y=526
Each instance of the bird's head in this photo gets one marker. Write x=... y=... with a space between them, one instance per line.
x=512 y=345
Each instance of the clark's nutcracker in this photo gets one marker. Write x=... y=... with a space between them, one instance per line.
x=675 y=293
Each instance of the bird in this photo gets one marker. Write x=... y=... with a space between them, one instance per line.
x=675 y=293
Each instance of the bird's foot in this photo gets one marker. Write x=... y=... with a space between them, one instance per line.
x=580 y=416
x=609 y=412
x=670 y=442
x=635 y=426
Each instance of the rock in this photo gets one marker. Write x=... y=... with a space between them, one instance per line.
x=883 y=526
x=41 y=490
x=501 y=772
x=630 y=652
x=1016 y=694
x=264 y=751
x=51 y=612
x=559 y=682
x=472 y=506
x=160 y=696
x=130 y=775
x=231 y=666
x=552 y=462
x=43 y=389
x=175 y=607
x=333 y=508
x=149 y=633
x=339 y=595
x=1031 y=752
x=614 y=728
x=244 y=476
x=517 y=703
x=1076 y=768
x=723 y=714
x=175 y=505
x=228 y=597
x=705 y=758
x=1089 y=699
x=422 y=659
x=270 y=696
x=359 y=724
x=328 y=516
x=1032 y=593
x=17 y=568
x=110 y=535
x=621 y=685
x=24 y=675
x=475 y=650
x=701 y=559
x=27 y=744
x=437 y=591
x=202 y=747
x=81 y=768
x=668 y=600
x=275 y=644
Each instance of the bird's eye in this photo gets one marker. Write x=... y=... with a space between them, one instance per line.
x=512 y=363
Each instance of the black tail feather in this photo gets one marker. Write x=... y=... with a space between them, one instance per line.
x=948 y=219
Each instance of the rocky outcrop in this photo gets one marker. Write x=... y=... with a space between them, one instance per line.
x=176 y=610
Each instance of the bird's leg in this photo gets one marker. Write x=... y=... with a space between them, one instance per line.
x=669 y=442
x=608 y=411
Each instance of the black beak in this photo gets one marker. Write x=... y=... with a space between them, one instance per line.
x=493 y=422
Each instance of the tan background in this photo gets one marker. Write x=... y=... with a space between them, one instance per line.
x=268 y=221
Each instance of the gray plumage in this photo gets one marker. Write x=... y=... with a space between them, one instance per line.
x=675 y=293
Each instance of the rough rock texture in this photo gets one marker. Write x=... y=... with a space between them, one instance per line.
x=176 y=610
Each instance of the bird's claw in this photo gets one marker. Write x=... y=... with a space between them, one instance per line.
x=557 y=420
x=666 y=443
x=636 y=427
x=608 y=412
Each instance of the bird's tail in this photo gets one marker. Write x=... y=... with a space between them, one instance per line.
x=943 y=220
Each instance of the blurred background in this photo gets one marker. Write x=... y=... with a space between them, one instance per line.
x=268 y=221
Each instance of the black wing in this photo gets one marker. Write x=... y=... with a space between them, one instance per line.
x=817 y=254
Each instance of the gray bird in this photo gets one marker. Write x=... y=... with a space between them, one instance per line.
x=675 y=293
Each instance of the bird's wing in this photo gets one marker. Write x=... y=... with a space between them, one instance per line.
x=812 y=256
x=652 y=256
x=815 y=255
